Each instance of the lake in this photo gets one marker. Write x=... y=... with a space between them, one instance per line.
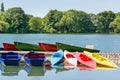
x=104 y=42
x=24 y=72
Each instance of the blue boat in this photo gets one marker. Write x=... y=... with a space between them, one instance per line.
x=34 y=58
x=57 y=58
x=10 y=58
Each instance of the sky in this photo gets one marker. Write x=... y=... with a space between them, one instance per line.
x=41 y=7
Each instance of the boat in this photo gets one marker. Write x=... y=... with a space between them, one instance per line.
x=26 y=46
x=85 y=60
x=47 y=47
x=100 y=60
x=72 y=48
x=35 y=70
x=70 y=60
x=8 y=46
x=1 y=48
x=57 y=58
x=34 y=59
x=10 y=58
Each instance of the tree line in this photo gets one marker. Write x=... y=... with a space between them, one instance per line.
x=14 y=20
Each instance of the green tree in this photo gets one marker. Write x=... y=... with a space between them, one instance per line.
x=3 y=27
x=2 y=16
x=50 y=21
x=2 y=6
x=96 y=22
x=76 y=22
x=17 y=19
x=35 y=24
x=115 y=25
x=106 y=17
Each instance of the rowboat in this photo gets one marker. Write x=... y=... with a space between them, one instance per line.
x=26 y=46
x=57 y=58
x=85 y=60
x=47 y=47
x=1 y=48
x=8 y=46
x=10 y=58
x=101 y=60
x=34 y=58
x=73 y=48
x=70 y=59
x=35 y=70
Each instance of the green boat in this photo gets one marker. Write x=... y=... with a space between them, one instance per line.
x=26 y=46
x=74 y=48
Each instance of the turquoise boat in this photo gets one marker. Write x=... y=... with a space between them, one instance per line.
x=57 y=58
x=74 y=48
x=26 y=46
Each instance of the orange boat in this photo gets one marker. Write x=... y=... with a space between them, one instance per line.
x=8 y=46
x=48 y=47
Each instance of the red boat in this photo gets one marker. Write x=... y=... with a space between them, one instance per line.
x=48 y=47
x=85 y=60
x=8 y=46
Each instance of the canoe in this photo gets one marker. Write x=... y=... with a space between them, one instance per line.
x=85 y=60
x=26 y=46
x=70 y=59
x=10 y=58
x=35 y=70
x=57 y=58
x=72 y=48
x=47 y=47
x=100 y=60
x=8 y=46
x=34 y=58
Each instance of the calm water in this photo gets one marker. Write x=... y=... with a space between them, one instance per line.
x=104 y=42
x=41 y=73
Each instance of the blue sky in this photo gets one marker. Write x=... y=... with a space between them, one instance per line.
x=41 y=7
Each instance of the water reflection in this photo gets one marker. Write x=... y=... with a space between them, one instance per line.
x=35 y=70
x=9 y=70
x=47 y=72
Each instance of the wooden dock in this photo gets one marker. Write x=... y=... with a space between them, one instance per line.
x=114 y=57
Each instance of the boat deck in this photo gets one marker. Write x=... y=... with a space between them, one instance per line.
x=114 y=57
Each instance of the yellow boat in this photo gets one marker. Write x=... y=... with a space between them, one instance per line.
x=101 y=60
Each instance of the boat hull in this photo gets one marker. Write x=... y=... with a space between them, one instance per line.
x=85 y=60
x=10 y=59
x=8 y=46
x=57 y=57
x=34 y=59
x=73 y=48
x=100 y=60
x=47 y=47
x=27 y=46
x=70 y=59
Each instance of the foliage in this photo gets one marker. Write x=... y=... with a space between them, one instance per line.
x=3 y=26
x=14 y=20
x=35 y=24
x=17 y=20
x=115 y=25
x=106 y=18
x=50 y=21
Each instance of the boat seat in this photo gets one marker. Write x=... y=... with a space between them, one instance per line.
x=36 y=56
x=9 y=56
